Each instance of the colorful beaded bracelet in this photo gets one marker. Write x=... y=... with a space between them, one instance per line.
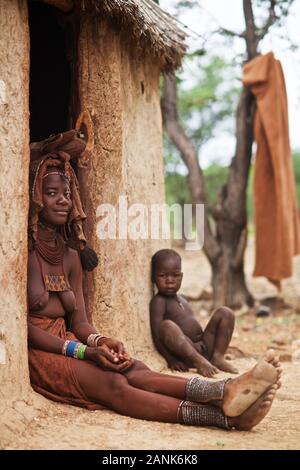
x=74 y=349
x=71 y=348
x=81 y=351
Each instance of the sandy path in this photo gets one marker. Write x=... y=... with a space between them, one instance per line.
x=64 y=427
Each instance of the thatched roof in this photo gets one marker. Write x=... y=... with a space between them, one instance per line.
x=152 y=29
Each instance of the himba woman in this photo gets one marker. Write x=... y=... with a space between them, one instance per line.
x=70 y=361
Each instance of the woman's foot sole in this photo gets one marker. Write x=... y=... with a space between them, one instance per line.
x=242 y=392
x=256 y=412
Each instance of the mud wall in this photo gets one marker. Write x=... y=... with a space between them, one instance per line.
x=14 y=156
x=121 y=91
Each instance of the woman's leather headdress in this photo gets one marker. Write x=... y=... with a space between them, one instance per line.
x=57 y=151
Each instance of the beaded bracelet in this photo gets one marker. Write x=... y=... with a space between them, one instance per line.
x=93 y=339
x=71 y=348
x=74 y=349
x=64 y=348
x=81 y=351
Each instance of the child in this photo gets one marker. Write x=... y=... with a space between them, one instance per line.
x=176 y=333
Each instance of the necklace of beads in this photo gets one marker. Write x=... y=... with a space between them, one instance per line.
x=51 y=254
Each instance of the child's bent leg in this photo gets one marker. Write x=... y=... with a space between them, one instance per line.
x=175 y=340
x=217 y=336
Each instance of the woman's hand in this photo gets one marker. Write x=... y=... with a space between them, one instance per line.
x=108 y=359
x=116 y=348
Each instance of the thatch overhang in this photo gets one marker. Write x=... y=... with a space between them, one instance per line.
x=151 y=28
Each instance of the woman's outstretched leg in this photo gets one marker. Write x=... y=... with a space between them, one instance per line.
x=233 y=396
x=113 y=390
x=141 y=376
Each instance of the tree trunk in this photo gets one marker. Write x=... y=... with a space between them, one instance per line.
x=225 y=247
x=228 y=280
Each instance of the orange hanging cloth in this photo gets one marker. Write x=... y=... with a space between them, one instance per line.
x=276 y=213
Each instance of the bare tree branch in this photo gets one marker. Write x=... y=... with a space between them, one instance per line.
x=272 y=17
x=189 y=157
x=250 y=34
x=229 y=32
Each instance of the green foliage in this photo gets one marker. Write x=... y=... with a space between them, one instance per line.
x=203 y=107
x=186 y=4
x=210 y=99
x=207 y=95
x=172 y=160
x=177 y=190
x=215 y=177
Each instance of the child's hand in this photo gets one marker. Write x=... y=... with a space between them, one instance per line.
x=178 y=365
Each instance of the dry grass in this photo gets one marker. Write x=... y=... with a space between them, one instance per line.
x=153 y=30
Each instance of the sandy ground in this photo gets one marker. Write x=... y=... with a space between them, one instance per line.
x=66 y=427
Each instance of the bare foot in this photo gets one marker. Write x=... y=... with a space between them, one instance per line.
x=205 y=368
x=274 y=360
x=242 y=392
x=256 y=412
x=221 y=364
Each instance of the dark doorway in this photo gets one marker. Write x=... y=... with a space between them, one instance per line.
x=50 y=76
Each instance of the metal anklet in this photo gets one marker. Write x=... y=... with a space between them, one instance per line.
x=203 y=391
x=202 y=415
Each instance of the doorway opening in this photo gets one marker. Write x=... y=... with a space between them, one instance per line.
x=53 y=92
x=50 y=72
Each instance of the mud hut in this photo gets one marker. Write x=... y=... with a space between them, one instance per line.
x=58 y=57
